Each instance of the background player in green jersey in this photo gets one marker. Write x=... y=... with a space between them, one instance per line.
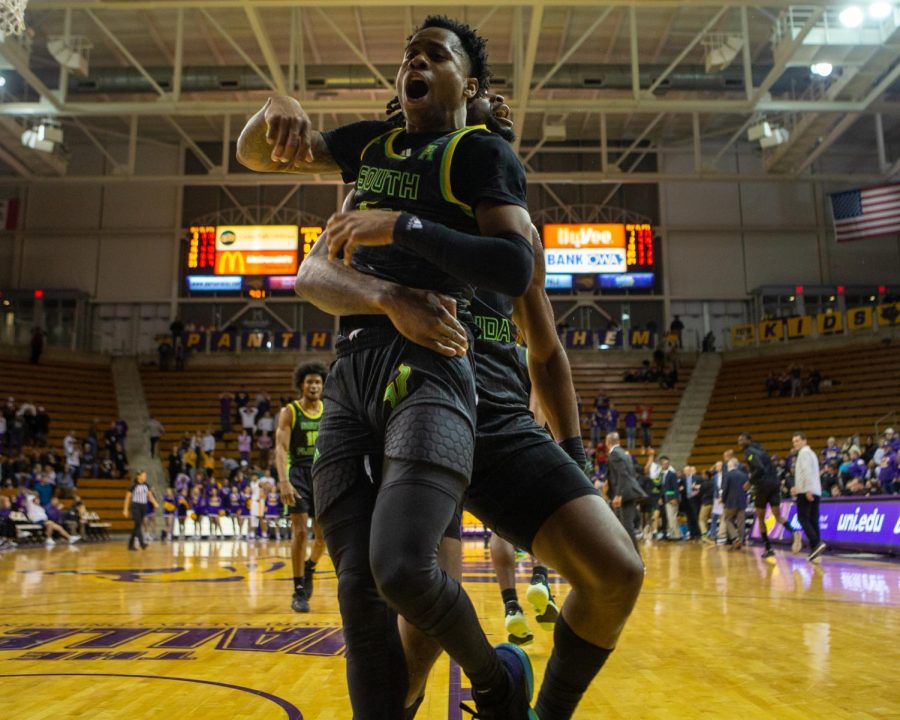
x=295 y=445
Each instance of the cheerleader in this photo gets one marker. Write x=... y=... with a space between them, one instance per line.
x=273 y=511
x=198 y=509
x=168 y=503
x=236 y=512
x=214 y=510
x=247 y=507
x=182 y=505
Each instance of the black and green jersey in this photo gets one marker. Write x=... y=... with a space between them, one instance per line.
x=304 y=431
x=501 y=368
x=439 y=177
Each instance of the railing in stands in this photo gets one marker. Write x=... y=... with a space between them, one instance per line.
x=891 y=419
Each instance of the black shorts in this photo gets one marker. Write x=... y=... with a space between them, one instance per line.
x=388 y=396
x=521 y=477
x=300 y=477
x=767 y=495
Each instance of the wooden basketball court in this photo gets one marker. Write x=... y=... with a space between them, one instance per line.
x=204 y=630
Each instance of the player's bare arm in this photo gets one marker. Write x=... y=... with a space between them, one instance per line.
x=548 y=365
x=280 y=138
x=282 y=448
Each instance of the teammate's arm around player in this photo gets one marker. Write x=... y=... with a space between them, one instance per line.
x=421 y=316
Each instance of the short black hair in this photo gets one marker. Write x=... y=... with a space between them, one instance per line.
x=310 y=368
x=746 y=435
x=800 y=435
x=475 y=47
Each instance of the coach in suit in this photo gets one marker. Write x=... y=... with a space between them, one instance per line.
x=624 y=490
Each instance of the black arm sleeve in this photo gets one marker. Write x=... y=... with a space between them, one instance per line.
x=347 y=142
x=503 y=264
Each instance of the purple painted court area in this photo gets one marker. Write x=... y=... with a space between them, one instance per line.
x=291 y=712
x=863 y=523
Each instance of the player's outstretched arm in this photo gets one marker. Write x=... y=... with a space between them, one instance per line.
x=548 y=365
x=279 y=138
x=426 y=318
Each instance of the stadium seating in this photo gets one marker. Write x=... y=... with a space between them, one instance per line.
x=867 y=386
x=605 y=375
x=73 y=394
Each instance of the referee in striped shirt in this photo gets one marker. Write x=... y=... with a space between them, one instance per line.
x=137 y=497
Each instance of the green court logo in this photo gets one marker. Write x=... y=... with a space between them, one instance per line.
x=398 y=388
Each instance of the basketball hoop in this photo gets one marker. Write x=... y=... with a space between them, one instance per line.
x=12 y=17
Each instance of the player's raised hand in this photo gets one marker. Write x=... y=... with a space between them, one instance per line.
x=288 y=131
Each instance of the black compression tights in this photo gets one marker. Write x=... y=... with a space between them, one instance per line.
x=414 y=506
x=376 y=667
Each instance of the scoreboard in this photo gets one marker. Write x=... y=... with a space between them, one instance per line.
x=599 y=256
x=246 y=258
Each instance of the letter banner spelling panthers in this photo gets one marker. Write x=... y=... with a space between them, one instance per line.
x=743 y=334
x=872 y=522
x=251 y=340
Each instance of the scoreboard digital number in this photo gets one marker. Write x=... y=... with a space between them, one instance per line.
x=201 y=256
x=638 y=246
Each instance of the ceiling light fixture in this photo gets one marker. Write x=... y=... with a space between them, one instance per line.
x=851 y=16
x=880 y=10
x=821 y=69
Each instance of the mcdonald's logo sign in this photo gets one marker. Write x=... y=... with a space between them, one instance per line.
x=230 y=262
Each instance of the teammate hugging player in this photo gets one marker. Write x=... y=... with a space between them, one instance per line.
x=524 y=485
x=451 y=216
x=295 y=445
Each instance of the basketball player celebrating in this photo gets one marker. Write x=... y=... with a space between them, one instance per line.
x=527 y=488
x=766 y=488
x=453 y=216
x=295 y=444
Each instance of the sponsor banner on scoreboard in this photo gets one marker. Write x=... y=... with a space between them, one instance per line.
x=256 y=237
x=830 y=323
x=743 y=334
x=871 y=522
x=860 y=318
x=626 y=281
x=584 y=237
x=256 y=262
x=600 y=260
x=579 y=339
x=799 y=327
x=771 y=331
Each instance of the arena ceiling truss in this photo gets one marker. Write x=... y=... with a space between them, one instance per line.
x=600 y=90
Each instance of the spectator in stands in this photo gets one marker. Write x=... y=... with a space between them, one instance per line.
x=41 y=426
x=598 y=426
x=772 y=384
x=75 y=519
x=612 y=418
x=263 y=403
x=45 y=487
x=3 y=443
x=107 y=467
x=155 y=430
x=734 y=498
x=122 y=430
x=110 y=438
x=264 y=443
x=669 y=486
x=832 y=485
x=208 y=442
x=630 y=429
x=37 y=345
x=175 y=463
x=888 y=473
x=27 y=412
x=225 y=400
x=73 y=466
x=677 y=329
x=645 y=416
x=7 y=526
x=709 y=342
x=831 y=451
x=796 y=374
x=244 y=443
x=179 y=355
x=241 y=399
x=165 y=351
x=121 y=460
x=248 y=418
x=266 y=423
x=813 y=381
x=893 y=439
x=38 y=515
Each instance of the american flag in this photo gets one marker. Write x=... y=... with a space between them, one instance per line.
x=869 y=213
